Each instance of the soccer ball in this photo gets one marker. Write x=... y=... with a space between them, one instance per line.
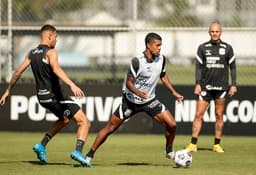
x=183 y=158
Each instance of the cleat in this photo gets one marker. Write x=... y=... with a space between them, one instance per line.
x=78 y=156
x=191 y=147
x=39 y=149
x=88 y=160
x=170 y=155
x=217 y=148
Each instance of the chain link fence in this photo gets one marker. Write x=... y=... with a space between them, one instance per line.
x=98 y=38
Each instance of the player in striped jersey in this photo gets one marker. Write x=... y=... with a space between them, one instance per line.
x=139 y=95
x=47 y=72
x=214 y=59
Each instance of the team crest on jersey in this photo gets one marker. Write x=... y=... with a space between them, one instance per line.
x=222 y=51
x=203 y=93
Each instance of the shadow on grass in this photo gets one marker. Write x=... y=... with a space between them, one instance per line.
x=49 y=163
x=53 y=163
x=204 y=149
x=140 y=164
x=150 y=164
x=133 y=164
x=34 y=162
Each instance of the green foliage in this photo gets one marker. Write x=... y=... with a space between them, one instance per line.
x=234 y=22
x=176 y=14
x=39 y=10
x=125 y=154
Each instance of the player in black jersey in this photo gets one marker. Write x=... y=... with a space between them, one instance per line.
x=214 y=59
x=139 y=95
x=47 y=72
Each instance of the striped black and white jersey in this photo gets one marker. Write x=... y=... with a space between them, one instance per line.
x=46 y=81
x=213 y=61
x=147 y=74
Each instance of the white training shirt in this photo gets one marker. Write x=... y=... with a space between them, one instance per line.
x=147 y=74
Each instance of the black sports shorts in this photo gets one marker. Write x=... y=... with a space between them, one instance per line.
x=64 y=107
x=211 y=95
x=127 y=109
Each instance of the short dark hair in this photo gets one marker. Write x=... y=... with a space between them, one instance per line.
x=152 y=36
x=48 y=27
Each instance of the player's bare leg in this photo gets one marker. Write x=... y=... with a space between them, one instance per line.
x=112 y=125
x=57 y=126
x=83 y=125
x=167 y=119
x=40 y=148
x=80 y=119
x=82 y=134
x=201 y=107
x=219 y=112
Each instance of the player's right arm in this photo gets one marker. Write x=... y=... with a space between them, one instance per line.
x=15 y=77
x=52 y=56
x=198 y=70
x=131 y=79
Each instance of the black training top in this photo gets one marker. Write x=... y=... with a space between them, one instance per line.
x=46 y=81
x=212 y=65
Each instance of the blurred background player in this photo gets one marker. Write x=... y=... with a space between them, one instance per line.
x=139 y=95
x=213 y=61
x=44 y=63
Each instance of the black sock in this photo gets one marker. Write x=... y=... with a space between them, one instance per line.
x=90 y=153
x=168 y=149
x=46 y=139
x=194 y=140
x=216 y=141
x=79 y=145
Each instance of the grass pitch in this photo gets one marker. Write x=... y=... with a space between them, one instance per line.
x=126 y=154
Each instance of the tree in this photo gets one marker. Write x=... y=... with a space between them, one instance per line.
x=41 y=10
x=178 y=15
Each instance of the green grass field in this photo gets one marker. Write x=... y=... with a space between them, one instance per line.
x=125 y=154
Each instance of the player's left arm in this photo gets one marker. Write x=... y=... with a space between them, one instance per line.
x=232 y=65
x=52 y=56
x=164 y=78
x=15 y=77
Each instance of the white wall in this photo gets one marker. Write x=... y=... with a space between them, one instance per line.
x=176 y=44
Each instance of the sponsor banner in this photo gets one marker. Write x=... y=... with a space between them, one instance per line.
x=240 y=112
x=22 y=112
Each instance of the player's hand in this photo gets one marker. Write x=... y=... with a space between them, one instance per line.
x=232 y=91
x=77 y=91
x=4 y=98
x=143 y=95
x=197 y=89
x=178 y=96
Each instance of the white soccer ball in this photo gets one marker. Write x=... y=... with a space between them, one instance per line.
x=183 y=158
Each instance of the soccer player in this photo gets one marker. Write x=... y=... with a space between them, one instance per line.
x=213 y=61
x=139 y=95
x=44 y=63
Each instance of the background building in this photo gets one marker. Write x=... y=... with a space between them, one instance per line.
x=97 y=38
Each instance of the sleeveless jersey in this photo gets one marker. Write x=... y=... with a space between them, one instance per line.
x=47 y=83
x=146 y=74
x=214 y=60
